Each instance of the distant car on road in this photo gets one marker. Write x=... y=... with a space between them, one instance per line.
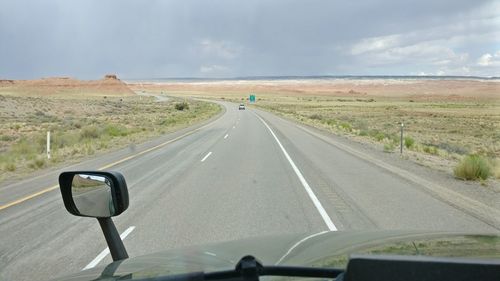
x=241 y=107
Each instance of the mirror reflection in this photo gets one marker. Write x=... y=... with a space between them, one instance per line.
x=92 y=195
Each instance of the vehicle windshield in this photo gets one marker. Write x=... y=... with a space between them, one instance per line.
x=300 y=132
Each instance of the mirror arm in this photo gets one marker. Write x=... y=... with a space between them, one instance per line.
x=115 y=243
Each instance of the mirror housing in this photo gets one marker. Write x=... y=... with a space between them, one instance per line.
x=113 y=182
x=100 y=195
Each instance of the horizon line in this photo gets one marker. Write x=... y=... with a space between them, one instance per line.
x=257 y=77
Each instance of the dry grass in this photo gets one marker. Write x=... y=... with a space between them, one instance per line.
x=461 y=128
x=446 y=130
x=473 y=167
x=83 y=126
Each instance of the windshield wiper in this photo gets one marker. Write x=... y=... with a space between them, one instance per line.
x=250 y=269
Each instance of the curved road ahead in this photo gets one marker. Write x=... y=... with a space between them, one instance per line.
x=247 y=173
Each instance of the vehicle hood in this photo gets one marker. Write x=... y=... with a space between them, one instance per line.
x=330 y=249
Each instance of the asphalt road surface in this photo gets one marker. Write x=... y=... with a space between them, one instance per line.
x=246 y=173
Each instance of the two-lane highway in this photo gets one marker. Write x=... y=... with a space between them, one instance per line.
x=247 y=174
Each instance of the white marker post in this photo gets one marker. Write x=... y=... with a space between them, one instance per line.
x=402 y=129
x=48 y=144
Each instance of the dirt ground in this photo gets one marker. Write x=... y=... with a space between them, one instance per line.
x=422 y=89
x=110 y=85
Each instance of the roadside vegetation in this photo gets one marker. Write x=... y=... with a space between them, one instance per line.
x=83 y=127
x=437 y=133
x=473 y=167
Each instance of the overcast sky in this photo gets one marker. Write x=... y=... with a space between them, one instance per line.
x=153 y=39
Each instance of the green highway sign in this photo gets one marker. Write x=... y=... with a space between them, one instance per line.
x=252 y=98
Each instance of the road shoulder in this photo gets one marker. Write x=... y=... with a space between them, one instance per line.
x=482 y=202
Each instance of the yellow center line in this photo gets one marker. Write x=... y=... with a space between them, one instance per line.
x=28 y=197
x=33 y=195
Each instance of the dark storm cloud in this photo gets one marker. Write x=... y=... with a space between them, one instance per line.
x=142 y=39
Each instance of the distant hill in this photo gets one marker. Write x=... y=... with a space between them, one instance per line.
x=110 y=85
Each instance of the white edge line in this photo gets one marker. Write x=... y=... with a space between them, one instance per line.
x=206 y=156
x=298 y=243
x=331 y=226
x=225 y=137
x=105 y=252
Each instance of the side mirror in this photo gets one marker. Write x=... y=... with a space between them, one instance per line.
x=94 y=194
x=100 y=195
